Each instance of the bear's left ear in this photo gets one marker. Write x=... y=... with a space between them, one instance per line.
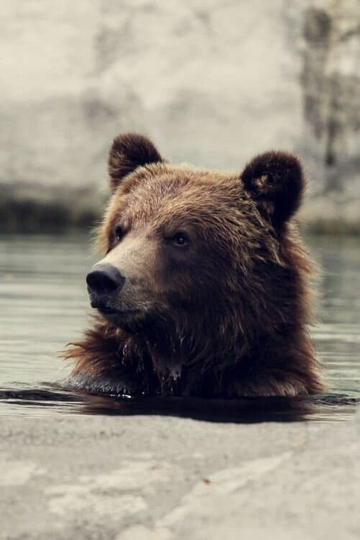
x=275 y=180
x=128 y=152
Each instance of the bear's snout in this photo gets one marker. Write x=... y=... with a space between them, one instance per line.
x=104 y=279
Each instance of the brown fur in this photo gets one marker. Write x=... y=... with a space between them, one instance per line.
x=226 y=315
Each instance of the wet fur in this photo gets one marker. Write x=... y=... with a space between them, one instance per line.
x=248 y=336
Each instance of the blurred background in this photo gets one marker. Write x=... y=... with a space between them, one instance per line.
x=212 y=82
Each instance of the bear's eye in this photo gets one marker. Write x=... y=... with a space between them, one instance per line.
x=119 y=233
x=180 y=239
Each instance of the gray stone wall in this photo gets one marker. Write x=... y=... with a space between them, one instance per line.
x=212 y=82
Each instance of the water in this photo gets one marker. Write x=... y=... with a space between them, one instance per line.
x=44 y=305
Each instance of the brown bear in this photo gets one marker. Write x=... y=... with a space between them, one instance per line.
x=204 y=286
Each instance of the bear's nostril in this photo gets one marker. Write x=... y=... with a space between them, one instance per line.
x=104 y=279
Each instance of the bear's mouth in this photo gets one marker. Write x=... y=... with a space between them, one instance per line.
x=114 y=313
x=103 y=308
x=106 y=310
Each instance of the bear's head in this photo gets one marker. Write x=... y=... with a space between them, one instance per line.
x=201 y=260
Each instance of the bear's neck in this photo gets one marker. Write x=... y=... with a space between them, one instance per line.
x=176 y=351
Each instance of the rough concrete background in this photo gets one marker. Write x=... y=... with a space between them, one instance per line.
x=156 y=478
x=212 y=82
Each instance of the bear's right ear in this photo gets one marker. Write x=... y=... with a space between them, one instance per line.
x=128 y=152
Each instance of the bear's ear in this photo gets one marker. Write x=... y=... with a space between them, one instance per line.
x=275 y=180
x=128 y=152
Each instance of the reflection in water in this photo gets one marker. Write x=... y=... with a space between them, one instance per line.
x=333 y=407
x=44 y=305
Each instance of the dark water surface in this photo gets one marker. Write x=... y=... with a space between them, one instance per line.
x=44 y=305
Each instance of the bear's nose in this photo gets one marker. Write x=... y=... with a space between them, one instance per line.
x=104 y=279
